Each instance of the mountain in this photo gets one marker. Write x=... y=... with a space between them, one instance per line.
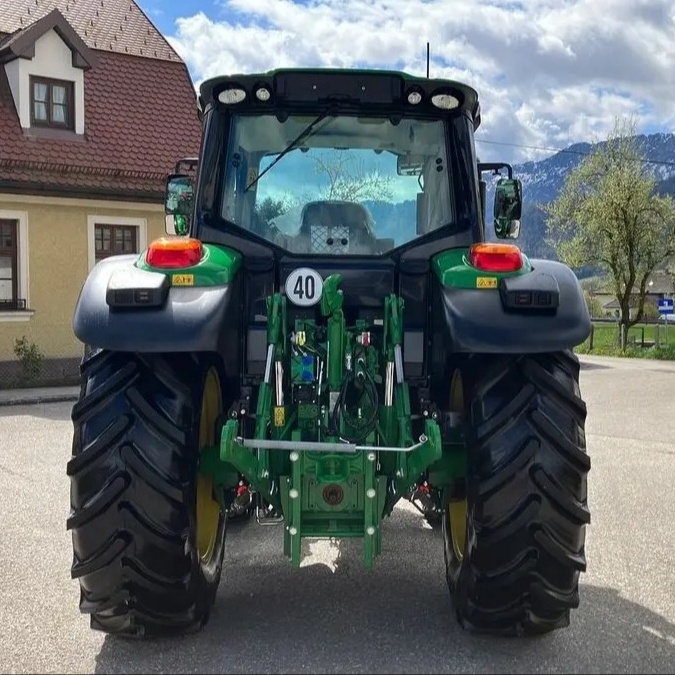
x=542 y=180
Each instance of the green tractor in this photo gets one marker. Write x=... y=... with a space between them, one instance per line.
x=325 y=332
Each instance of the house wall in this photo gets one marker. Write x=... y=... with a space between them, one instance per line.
x=610 y=307
x=56 y=252
x=604 y=299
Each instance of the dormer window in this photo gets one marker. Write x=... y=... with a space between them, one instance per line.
x=52 y=103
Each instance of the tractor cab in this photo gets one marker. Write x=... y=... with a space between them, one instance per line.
x=367 y=174
x=334 y=163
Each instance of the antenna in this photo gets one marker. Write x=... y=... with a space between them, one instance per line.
x=427 y=60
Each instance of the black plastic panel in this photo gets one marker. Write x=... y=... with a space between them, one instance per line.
x=413 y=288
x=413 y=353
x=258 y=287
x=365 y=87
x=192 y=319
x=535 y=292
x=130 y=287
x=476 y=320
x=256 y=350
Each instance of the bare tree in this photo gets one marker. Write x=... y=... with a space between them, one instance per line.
x=349 y=179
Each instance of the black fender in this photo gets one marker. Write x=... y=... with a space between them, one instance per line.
x=541 y=311
x=124 y=308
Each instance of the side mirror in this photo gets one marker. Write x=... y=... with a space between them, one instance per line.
x=507 y=208
x=178 y=203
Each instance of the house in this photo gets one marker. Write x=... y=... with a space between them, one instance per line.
x=96 y=107
x=659 y=285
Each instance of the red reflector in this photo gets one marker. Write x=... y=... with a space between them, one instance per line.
x=495 y=257
x=177 y=253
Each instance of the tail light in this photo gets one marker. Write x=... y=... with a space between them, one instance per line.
x=174 y=253
x=495 y=257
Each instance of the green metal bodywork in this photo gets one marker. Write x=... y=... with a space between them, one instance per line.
x=351 y=479
x=453 y=269
x=220 y=264
x=337 y=488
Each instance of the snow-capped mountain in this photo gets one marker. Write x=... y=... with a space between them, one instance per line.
x=543 y=179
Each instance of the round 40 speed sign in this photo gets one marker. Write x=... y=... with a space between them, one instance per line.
x=304 y=287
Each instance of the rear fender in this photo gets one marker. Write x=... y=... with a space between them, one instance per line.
x=541 y=310
x=124 y=308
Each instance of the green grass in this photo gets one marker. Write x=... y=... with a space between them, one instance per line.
x=659 y=353
x=606 y=342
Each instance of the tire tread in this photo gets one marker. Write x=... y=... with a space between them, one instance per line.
x=527 y=491
x=132 y=475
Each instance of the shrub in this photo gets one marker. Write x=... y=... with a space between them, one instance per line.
x=29 y=356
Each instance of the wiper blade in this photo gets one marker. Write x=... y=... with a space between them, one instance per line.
x=304 y=134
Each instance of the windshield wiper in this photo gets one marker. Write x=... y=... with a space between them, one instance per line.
x=304 y=134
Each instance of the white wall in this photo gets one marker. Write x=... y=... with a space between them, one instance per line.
x=13 y=70
x=53 y=59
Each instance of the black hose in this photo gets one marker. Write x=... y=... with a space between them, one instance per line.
x=363 y=428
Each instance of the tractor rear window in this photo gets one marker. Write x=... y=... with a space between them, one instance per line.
x=350 y=185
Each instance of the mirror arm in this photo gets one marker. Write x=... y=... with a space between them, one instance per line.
x=189 y=163
x=495 y=167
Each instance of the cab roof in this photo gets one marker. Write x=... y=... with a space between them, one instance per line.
x=361 y=89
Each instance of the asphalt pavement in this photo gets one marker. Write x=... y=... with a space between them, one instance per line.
x=332 y=616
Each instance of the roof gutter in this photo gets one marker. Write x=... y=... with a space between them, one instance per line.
x=72 y=191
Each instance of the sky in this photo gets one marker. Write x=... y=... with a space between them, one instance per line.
x=549 y=73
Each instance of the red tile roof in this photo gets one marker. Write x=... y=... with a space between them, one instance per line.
x=57 y=182
x=140 y=118
x=21 y=43
x=114 y=25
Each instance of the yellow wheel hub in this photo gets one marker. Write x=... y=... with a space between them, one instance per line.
x=457 y=523
x=457 y=509
x=208 y=508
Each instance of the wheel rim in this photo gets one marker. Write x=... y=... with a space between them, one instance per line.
x=457 y=523
x=457 y=508
x=208 y=508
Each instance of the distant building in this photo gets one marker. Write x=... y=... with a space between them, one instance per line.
x=660 y=285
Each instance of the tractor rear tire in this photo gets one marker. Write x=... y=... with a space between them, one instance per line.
x=147 y=565
x=526 y=508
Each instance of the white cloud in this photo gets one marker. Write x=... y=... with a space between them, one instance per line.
x=549 y=72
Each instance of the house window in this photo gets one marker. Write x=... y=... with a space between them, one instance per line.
x=9 y=262
x=52 y=103
x=115 y=240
